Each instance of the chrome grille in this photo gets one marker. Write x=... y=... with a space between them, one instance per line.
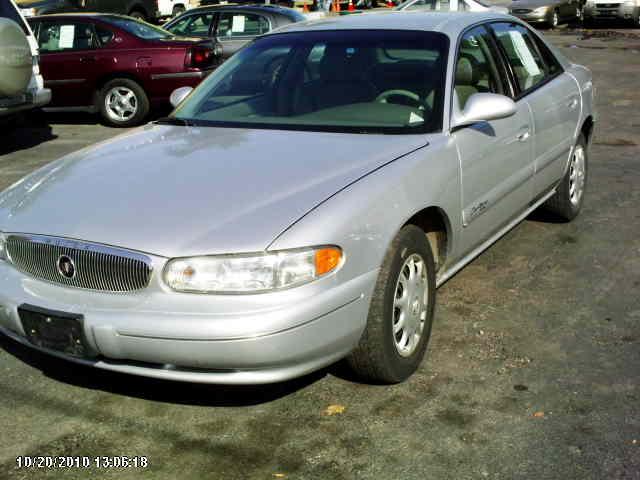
x=96 y=267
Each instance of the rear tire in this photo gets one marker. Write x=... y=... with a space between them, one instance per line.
x=122 y=103
x=569 y=197
x=401 y=312
x=138 y=15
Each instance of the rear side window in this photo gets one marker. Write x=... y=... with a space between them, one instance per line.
x=553 y=66
x=60 y=37
x=8 y=11
x=519 y=46
x=233 y=24
x=197 y=25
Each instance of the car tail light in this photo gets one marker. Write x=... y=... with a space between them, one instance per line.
x=198 y=57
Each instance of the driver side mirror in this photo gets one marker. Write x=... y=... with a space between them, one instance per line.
x=178 y=95
x=483 y=107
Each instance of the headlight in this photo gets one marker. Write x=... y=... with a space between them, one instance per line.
x=28 y=12
x=3 y=251
x=251 y=273
x=541 y=10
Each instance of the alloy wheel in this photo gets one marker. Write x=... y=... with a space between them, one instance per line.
x=121 y=104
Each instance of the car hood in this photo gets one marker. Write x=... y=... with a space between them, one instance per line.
x=178 y=191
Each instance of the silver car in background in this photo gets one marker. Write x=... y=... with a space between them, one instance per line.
x=607 y=10
x=301 y=205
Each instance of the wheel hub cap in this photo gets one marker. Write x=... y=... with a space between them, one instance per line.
x=121 y=104
x=410 y=305
x=577 y=173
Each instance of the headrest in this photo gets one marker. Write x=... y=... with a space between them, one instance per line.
x=467 y=73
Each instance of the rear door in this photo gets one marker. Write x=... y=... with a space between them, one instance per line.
x=552 y=95
x=495 y=156
x=234 y=29
x=67 y=58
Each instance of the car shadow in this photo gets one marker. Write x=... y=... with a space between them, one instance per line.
x=166 y=391
x=23 y=132
x=542 y=215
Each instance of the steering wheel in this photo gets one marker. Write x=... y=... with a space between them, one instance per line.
x=384 y=96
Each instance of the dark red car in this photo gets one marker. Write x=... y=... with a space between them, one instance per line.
x=116 y=65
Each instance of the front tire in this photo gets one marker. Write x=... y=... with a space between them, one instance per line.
x=122 y=103
x=178 y=10
x=569 y=197
x=554 y=21
x=401 y=312
x=138 y=15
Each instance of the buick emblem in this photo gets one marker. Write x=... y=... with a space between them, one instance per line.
x=66 y=267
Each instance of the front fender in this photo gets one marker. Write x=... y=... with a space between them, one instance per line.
x=364 y=218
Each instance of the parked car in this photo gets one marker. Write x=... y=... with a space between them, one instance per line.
x=140 y=9
x=21 y=85
x=301 y=205
x=451 y=5
x=116 y=65
x=232 y=26
x=550 y=13
x=603 y=10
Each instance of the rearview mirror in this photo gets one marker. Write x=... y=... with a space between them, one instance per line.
x=178 y=95
x=482 y=107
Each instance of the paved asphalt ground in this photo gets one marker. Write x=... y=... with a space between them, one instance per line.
x=533 y=370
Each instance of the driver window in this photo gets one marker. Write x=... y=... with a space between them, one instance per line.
x=476 y=70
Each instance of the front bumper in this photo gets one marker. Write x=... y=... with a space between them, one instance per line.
x=610 y=11
x=237 y=339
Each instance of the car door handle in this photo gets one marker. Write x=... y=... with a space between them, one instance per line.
x=572 y=104
x=523 y=136
x=87 y=59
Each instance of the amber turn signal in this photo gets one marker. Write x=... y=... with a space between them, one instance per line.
x=327 y=259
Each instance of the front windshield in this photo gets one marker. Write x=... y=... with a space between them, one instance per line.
x=362 y=81
x=140 y=29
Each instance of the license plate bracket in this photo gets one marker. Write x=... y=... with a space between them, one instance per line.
x=54 y=330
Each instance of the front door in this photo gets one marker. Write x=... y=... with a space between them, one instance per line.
x=495 y=157
x=555 y=107
x=67 y=60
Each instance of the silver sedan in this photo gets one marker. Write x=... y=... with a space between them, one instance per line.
x=301 y=205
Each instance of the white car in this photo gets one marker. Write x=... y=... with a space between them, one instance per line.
x=21 y=85
x=450 y=6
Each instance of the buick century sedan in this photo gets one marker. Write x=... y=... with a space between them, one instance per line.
x=301 y=205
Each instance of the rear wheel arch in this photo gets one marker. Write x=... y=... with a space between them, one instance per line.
x=102 y=81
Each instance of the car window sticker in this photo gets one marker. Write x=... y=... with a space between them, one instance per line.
x=238 y=24
x=66 y=36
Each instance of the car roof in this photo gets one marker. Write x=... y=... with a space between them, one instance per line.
x=449 y=23
x=79 y=15
x=275 y=9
